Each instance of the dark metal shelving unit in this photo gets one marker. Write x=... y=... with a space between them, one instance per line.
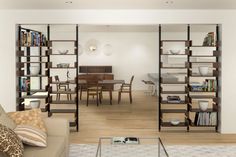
x=190 y=94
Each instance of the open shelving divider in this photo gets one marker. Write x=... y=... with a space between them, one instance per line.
x=187 y=92
x=24 y=51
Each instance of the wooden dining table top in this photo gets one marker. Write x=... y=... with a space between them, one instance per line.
x=105 y=82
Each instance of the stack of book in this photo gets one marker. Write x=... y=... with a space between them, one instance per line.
x=205 y=118
x=25 y=84
x=173 y=99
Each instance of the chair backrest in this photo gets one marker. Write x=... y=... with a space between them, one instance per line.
x=92 y=82
x=56 y=78
x=131 y=81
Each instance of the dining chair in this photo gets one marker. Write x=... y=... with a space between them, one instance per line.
x=94 y=90
x=126 y=88
x=61 y=87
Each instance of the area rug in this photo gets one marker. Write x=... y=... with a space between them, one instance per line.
x=85 y=150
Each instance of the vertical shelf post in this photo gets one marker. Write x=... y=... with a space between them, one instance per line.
x=159 y=99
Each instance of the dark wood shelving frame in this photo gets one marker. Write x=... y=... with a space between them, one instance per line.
x=22 y=66
x=190 y=94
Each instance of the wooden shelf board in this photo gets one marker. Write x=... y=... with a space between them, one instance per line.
x=174 y=83
x=168 y=124
x=174 y=92
x=174 y=54
x=34 y=90
x=64 y=102
x=173 y=111
x=62 y=68
x=63 y=54
x=32 y=56
x=32 y=46
x=73 y=124
x=198 y=110
x=63 y=92
x=202 y=96
x=63 y=110
x=34 y=97
x=202 y=76
x=63 y=82
x=33 y=76
x=202 y=91
x=174 y=68
x=203 y=56
x=203 y=46
x=203 y=62
x=33 y=62
x=62 y=40
x=193 y=125
x=180 y=103
x=174 y=40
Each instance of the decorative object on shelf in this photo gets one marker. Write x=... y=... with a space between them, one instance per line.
x=203 y=70
x=174 y=52
x=35 y=103
x=63 y=65
x=173 y=99
x=80 y=50
x=62 y=52
x=209 y=40
x=174 y=122
x=205 y=119
x=107 y=49
x=34 y=70
x=92 y=47
x=203 y=105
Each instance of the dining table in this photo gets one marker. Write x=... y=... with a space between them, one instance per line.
x=104 y=83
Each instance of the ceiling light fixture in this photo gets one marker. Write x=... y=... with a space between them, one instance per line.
x=68 y=2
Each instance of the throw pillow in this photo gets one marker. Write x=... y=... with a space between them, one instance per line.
x=10 y=144
x=31 y=135
x=29 y=117
x=6 y=120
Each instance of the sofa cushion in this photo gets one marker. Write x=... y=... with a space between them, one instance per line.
x=29 y=117
x=56 y=147
x=31 y=135
x=10 y=144
x=6 y=120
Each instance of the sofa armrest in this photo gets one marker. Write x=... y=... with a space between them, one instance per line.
x=57 y=126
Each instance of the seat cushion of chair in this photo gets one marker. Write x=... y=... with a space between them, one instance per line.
x=56 y=146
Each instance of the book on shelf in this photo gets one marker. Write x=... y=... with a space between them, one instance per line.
x=32 y=38
x=25 y=84
x=205 y=118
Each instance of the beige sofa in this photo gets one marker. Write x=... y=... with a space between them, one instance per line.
x=58 y=138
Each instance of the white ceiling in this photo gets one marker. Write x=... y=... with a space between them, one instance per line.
x=118 y=4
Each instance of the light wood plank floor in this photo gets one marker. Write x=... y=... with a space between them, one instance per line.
x=137 y=119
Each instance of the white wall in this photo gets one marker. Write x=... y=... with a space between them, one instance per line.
x=8 y=19
x=134 y=53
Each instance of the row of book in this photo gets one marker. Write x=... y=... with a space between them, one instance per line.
x=210 y=85
x=25 y=84
x=33 y=39
x=205 y=118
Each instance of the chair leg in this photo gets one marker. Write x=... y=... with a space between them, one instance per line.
x=119 y=97
x=110 y=92
x=87 y=98
x=59 y=96
x=80 y=96
x=100 y=98
x=130 y=97
x=97 y=99
x=68 y=98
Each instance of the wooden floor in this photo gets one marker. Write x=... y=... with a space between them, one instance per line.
x=137 y=119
